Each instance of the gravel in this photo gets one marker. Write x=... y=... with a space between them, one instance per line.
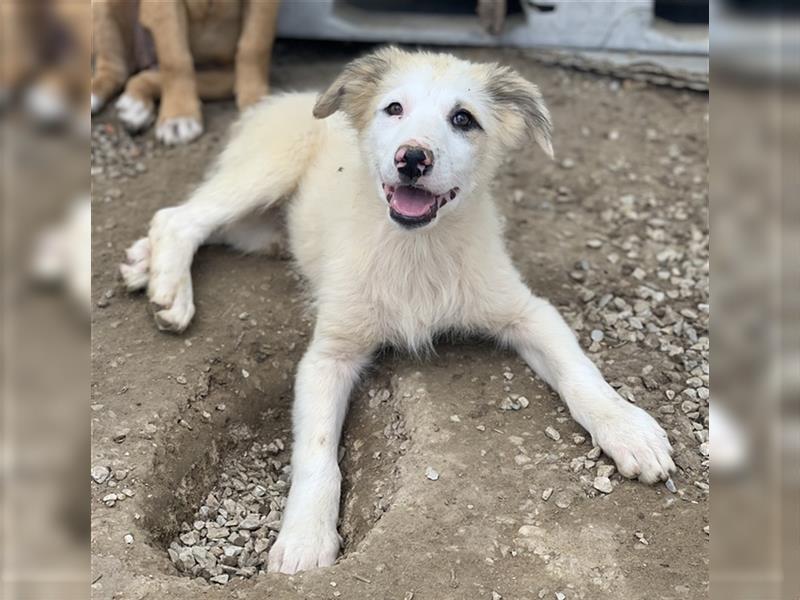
x=231 y=532
x=117 y=156
x=552 y=433
x=605 y=471
x=603 y=484
x=100 y=474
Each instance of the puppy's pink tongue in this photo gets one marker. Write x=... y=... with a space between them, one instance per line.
x=411 y=202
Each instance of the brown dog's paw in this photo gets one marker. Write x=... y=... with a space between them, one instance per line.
x=135 y=114
x=180 y=118
x=179 y=130
x=103 y=89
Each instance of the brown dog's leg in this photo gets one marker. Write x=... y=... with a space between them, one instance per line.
x=215 y=84
x=254 y=51
x=112 y=37
x=180 y=116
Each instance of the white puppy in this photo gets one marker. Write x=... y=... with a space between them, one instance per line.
x=385 y=182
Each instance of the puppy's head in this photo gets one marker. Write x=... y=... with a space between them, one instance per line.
x=433 y=127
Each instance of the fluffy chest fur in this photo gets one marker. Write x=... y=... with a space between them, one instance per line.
x=394 y=286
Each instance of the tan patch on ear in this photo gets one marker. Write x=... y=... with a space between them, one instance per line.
x=520 y=108
x=354 y=90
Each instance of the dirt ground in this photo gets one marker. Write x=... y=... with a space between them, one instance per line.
x=623 y=208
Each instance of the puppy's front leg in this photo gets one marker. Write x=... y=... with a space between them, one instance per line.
x=626 y=433
x=325 y=377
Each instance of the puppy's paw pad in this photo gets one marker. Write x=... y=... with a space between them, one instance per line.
x=134 y=113
x=179 y=130
x=300 y=552
x=637 y=444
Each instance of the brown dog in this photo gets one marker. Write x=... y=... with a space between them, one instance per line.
x=205 y=49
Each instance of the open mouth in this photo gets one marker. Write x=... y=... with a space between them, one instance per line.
x=413 y=206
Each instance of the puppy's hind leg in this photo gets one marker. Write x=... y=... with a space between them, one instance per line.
x=263 y=232
x=239 y=185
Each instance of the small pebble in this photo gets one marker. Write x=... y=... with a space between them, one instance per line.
x=431 y=473
x=552 y=433
x=100 y=474
x=605 y=471
x=603 y=484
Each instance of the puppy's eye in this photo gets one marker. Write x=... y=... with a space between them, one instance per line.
x=394 y=109
x=463 y=120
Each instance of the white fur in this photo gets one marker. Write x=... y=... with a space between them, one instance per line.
x=374 y=282
x=134 y=113
x=96 y=103
x=427 y=102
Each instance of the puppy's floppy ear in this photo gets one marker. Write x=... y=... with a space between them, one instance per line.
x=520 y=108
x=353 y=90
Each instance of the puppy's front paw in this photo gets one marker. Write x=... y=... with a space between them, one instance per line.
x=301 y=548
x=177 y=315
x=135 y=270
x=635 y=441
x=171 y=299
x=179 y=130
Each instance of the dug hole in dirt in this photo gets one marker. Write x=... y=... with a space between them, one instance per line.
x=464 y=476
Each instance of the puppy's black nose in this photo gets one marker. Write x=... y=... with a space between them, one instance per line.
x=413 y=161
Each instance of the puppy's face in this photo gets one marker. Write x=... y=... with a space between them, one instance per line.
x=432 y=127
